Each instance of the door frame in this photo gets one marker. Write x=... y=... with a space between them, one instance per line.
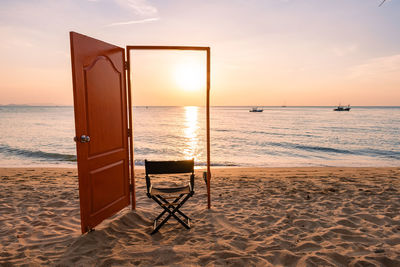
x=127 y=67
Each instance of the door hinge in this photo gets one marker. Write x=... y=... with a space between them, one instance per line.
x=131 y=187
x=129 y=132
x=126 y=65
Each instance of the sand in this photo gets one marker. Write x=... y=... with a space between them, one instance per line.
x=259 y=217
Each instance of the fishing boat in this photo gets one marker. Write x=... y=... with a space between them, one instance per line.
x=256 y=109
x=342 y=108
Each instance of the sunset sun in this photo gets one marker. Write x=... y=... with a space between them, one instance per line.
x=189 y=76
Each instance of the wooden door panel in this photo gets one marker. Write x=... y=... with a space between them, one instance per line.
x=100 y=107
x=105 y=191
x=103 y=82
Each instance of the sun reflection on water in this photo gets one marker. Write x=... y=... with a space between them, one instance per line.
x=191 y=132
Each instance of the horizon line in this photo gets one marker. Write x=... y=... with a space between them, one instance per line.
x=281 y=106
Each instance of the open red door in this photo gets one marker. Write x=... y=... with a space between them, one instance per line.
x=101 y=125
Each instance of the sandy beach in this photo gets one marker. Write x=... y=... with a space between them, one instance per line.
x=259 y=217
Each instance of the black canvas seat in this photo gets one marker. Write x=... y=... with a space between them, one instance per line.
x=172 y=198
x=173 y=190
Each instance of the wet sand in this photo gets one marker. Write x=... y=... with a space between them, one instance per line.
x=259 y=217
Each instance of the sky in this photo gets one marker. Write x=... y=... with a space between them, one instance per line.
x=263 y=52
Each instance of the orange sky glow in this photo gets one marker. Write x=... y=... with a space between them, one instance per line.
x=271 y=52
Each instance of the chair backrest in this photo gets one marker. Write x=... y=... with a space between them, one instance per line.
x=169 y=167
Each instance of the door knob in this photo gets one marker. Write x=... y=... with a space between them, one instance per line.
x=85 y=138
x=82 y=139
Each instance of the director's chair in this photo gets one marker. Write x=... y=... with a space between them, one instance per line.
x=163 y=195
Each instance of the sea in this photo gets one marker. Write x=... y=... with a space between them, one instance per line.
x=42 y=136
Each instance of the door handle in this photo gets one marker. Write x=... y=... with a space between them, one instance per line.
x=85 y=138
x=82 y=139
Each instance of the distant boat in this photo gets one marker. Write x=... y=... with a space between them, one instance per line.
x=342 y=108
x=256 y=109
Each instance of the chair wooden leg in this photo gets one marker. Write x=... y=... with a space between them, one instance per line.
x=176 y=200
x=159 y=216
x=171 y=213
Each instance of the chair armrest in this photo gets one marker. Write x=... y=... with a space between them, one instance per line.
x=192 y=182
x=148 y=184
x=150 y=191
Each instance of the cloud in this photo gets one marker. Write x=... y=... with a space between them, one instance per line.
x=132 y=22
x=139 y=7
x=382 y=66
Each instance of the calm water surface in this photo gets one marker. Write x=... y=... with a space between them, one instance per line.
x=292 y=136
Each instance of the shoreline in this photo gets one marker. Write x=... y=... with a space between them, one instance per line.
x=308 y=216
x=199 y=168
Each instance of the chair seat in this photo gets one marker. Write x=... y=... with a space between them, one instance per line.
x=170 y=190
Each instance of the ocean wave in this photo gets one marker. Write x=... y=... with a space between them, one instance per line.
x=140 y=162
x=381 y=153
x=311 y=148
x=371 y=152
x=222 y=130
x=13 y=151
x=279 y=134
x=323 y=149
